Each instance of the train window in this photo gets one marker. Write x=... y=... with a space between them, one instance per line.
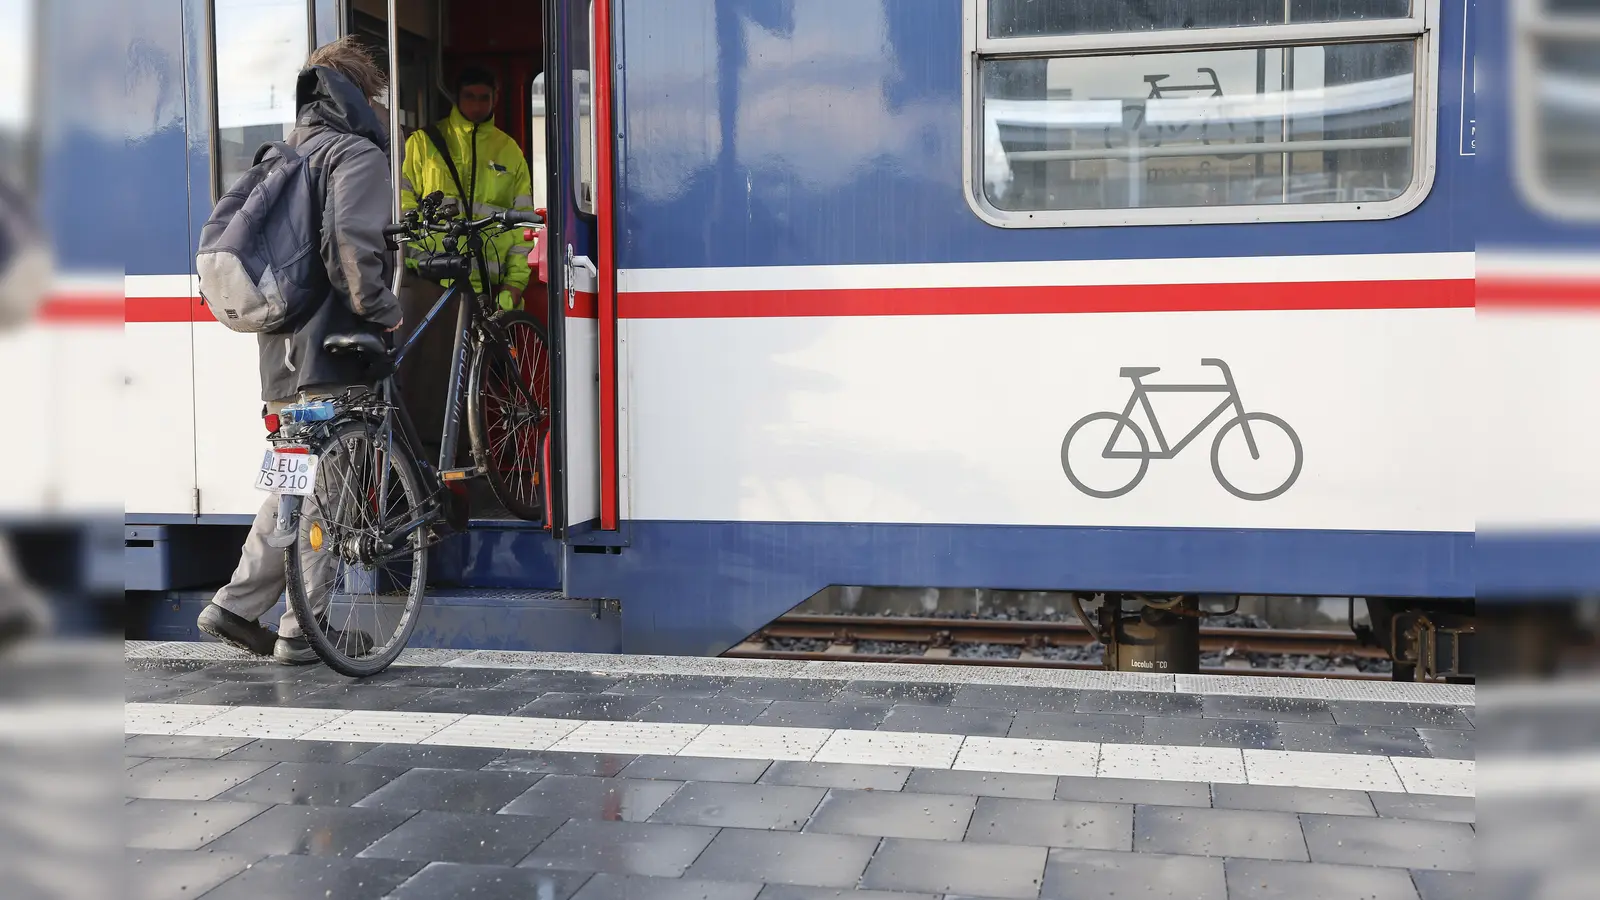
x=260 y=46
x=1294 y=109
x=1557 y=85
x=17 y=59
x=583 y=133
x=1030 y=18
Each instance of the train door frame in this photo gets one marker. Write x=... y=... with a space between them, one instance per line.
x=572 y=458
x=587 y=470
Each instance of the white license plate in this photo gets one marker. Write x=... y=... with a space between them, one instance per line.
x=287 y=473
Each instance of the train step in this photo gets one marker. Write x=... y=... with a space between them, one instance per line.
x=451 y=618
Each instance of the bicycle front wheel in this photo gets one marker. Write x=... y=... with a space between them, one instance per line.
x=508 y=411
x=356 y=575
x=1265 y=461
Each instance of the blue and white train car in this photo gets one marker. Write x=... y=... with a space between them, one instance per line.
x=61 y=141
x=833 y=281
x=1539 y=298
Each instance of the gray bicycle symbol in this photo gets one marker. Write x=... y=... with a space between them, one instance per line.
x=1248 y=423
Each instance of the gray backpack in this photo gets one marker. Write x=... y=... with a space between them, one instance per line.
x=260 y=259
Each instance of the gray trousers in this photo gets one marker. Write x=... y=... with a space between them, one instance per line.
x=260 y=579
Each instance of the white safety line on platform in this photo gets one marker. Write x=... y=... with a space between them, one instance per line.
x=1090 y=680
x=1152 y=762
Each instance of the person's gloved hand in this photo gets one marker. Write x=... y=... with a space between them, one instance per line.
x=508 y=300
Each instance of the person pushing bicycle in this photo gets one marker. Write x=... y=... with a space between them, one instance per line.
x=337 y=106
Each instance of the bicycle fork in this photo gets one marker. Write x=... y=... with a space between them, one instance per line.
x=1238 y=405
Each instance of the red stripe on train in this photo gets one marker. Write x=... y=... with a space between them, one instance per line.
x=82 y=309
x=1119 y=298
x=1536 y=293
x=1433 y=294
x=169 y=309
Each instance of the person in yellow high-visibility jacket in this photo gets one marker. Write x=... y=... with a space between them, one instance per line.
x=492 y=169
x=494 y=174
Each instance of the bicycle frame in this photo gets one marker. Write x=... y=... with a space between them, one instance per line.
x=1141 y=396
x=467 y=318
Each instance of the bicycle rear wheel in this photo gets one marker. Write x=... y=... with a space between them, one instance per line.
x=508 y=411
x=343 y=582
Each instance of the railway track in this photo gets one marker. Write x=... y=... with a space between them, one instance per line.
x=1037 y=644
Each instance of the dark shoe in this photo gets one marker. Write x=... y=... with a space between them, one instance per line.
x=237 y=631
x=294 y=651
x=297 y=651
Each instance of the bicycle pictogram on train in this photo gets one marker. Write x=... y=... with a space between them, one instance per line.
x=1249 y=425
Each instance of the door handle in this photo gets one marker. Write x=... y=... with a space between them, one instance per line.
x=574 y=264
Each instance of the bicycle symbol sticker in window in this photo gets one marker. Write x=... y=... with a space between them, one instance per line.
x=1262 y=451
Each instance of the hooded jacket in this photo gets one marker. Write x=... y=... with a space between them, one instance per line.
x=350 y=172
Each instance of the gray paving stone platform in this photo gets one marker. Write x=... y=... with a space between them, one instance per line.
x=220 y=817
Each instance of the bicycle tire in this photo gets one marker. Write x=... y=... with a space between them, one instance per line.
x=1216 y=456
x=408 y=481
x=513 y=466
x=1144 y=450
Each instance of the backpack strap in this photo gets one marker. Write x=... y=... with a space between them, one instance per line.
x=432 y=131
x=288 y=153
x=285 y=152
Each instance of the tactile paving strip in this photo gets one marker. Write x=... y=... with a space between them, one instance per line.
x=1327 y=689
x=1091 y=680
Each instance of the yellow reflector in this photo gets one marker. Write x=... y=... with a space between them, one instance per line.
x=454 y=475
x=316 y=537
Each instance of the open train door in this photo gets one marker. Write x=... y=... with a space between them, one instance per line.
x=581 y=254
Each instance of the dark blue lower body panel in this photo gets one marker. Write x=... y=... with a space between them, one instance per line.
x=496 y=555
x=700 y=587
x=1537 y=566
x=463 y=620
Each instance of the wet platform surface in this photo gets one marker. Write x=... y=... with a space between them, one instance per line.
x=554 y=777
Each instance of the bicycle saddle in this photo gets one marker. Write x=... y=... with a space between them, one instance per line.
x=358 y=344
x=1139 y=371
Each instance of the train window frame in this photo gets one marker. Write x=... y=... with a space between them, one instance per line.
x=1532 y=25
x=214 y=135
x=585 y=160
x=1420 y=27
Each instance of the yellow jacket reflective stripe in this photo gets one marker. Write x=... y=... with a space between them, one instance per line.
x=493 y=170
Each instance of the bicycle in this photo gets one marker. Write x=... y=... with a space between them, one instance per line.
x=358 y=506
x=1159 y=91
x=1141 y=396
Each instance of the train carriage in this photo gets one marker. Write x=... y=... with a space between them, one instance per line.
x=1136 y=298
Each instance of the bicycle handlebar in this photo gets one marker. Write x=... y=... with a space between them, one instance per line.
x=430 y=216
x=462 y=227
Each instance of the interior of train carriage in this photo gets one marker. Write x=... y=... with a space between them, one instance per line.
x=437 y=40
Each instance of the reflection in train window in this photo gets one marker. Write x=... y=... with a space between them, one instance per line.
x=1032 y=18
x=260 y=48
x=17 y=56
x=1113 y=112
x=1269 y=125
x=583 y=133
x=1558 y=107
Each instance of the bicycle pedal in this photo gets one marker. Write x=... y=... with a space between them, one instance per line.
x=461 y=474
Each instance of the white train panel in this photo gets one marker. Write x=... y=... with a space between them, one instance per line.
x=231 y=437
x=961 y=419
